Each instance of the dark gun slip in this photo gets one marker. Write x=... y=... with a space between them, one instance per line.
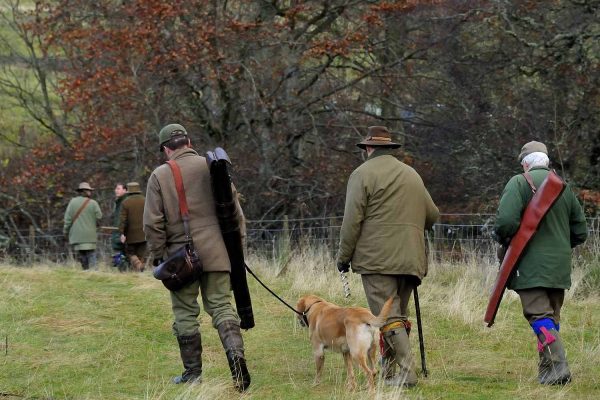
x=218 y=165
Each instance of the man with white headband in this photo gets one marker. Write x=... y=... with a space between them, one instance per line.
x=543 y=271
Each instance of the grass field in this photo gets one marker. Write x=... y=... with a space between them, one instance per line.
x=103 y=335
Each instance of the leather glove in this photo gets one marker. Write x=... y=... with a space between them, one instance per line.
x=343 y=266
x=156 y=262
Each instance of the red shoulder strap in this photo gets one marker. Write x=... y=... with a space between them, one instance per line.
x=183 y=207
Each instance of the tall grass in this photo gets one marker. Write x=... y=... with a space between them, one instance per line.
x=104 y=335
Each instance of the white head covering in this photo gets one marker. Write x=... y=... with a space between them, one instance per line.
x=536 y=159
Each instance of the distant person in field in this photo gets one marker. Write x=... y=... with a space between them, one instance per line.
x=543 y=271
x=164 y=230
x=82 y=217
x=119 y=259
x=387 y=212
x=131 y=226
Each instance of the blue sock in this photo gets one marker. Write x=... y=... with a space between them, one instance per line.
x=544 y=322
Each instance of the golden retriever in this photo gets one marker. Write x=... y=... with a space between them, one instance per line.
x=351 y=331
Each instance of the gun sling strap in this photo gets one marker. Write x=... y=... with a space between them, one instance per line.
x=183 y=207
x=81 y=208
x=541 y=202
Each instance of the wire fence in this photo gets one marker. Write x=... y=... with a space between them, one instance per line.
x=457 y=237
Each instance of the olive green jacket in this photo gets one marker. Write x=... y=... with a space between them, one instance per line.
x=546 y=261
x=131 y=218
x=83 y=229
x=163 y=225
x=387 y=211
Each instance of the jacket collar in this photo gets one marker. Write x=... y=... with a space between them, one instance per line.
x=179 y=153
x=538 y=167
x=381 y=152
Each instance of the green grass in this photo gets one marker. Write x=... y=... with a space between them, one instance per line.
x=103 y=335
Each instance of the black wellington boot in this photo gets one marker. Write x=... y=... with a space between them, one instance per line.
x=231 y=338
x=190 y=349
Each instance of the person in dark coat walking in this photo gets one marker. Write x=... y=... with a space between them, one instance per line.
x=543 y=271
x=131 y=226
x=119 y=258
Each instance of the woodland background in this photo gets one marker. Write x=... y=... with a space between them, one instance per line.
x=288 y=87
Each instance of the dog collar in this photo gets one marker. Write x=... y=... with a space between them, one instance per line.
x=305 y=313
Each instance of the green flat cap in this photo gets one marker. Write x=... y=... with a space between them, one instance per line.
x=170 y=131
x=532 y=147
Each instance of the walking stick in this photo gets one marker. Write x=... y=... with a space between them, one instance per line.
x=420 y=332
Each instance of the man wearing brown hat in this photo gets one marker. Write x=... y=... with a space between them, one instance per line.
x=131 y=226
x=543 y=270
x=80 y=222
x=165 y=234
x=387 y=211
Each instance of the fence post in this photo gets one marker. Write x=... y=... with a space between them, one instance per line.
x=31 y=244
x=331 y=234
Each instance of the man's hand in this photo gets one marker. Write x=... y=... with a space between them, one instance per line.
x=343 y=266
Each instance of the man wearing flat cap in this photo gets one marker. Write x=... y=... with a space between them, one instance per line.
x=165 y=233
x=543 y=271
x=387 y=211
x=80 y=222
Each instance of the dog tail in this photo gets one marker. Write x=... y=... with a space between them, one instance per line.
x=380 y=320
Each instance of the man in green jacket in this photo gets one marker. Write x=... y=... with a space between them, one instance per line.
x=387 y=211
x=131 y=226
x=165 y=234
x=543 y=271
x=80 y=222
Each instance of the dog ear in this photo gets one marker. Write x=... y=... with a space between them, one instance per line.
x=301 y=305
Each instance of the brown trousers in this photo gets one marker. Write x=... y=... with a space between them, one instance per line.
x=379 y=288
x=539 y=303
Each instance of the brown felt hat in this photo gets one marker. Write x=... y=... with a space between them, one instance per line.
x=532 y=147
x=378 y=136
x=133 y=187
x=84 y=186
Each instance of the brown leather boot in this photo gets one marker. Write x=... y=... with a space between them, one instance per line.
x=231 y=338
x=190 y=349
x=136 y=263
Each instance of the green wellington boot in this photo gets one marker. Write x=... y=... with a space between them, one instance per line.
x=190 y=349
x=553 y=366
x=398 y=341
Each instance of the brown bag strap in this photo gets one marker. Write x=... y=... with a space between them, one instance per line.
x=529 y=180
x=183 y=207
x=78 y=213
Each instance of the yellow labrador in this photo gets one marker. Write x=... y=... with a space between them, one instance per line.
x=352 y=331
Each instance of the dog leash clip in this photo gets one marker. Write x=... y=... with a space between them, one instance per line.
x=345 y=284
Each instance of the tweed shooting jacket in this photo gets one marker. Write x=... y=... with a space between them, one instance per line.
x=387 y=211
x=163 y=225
